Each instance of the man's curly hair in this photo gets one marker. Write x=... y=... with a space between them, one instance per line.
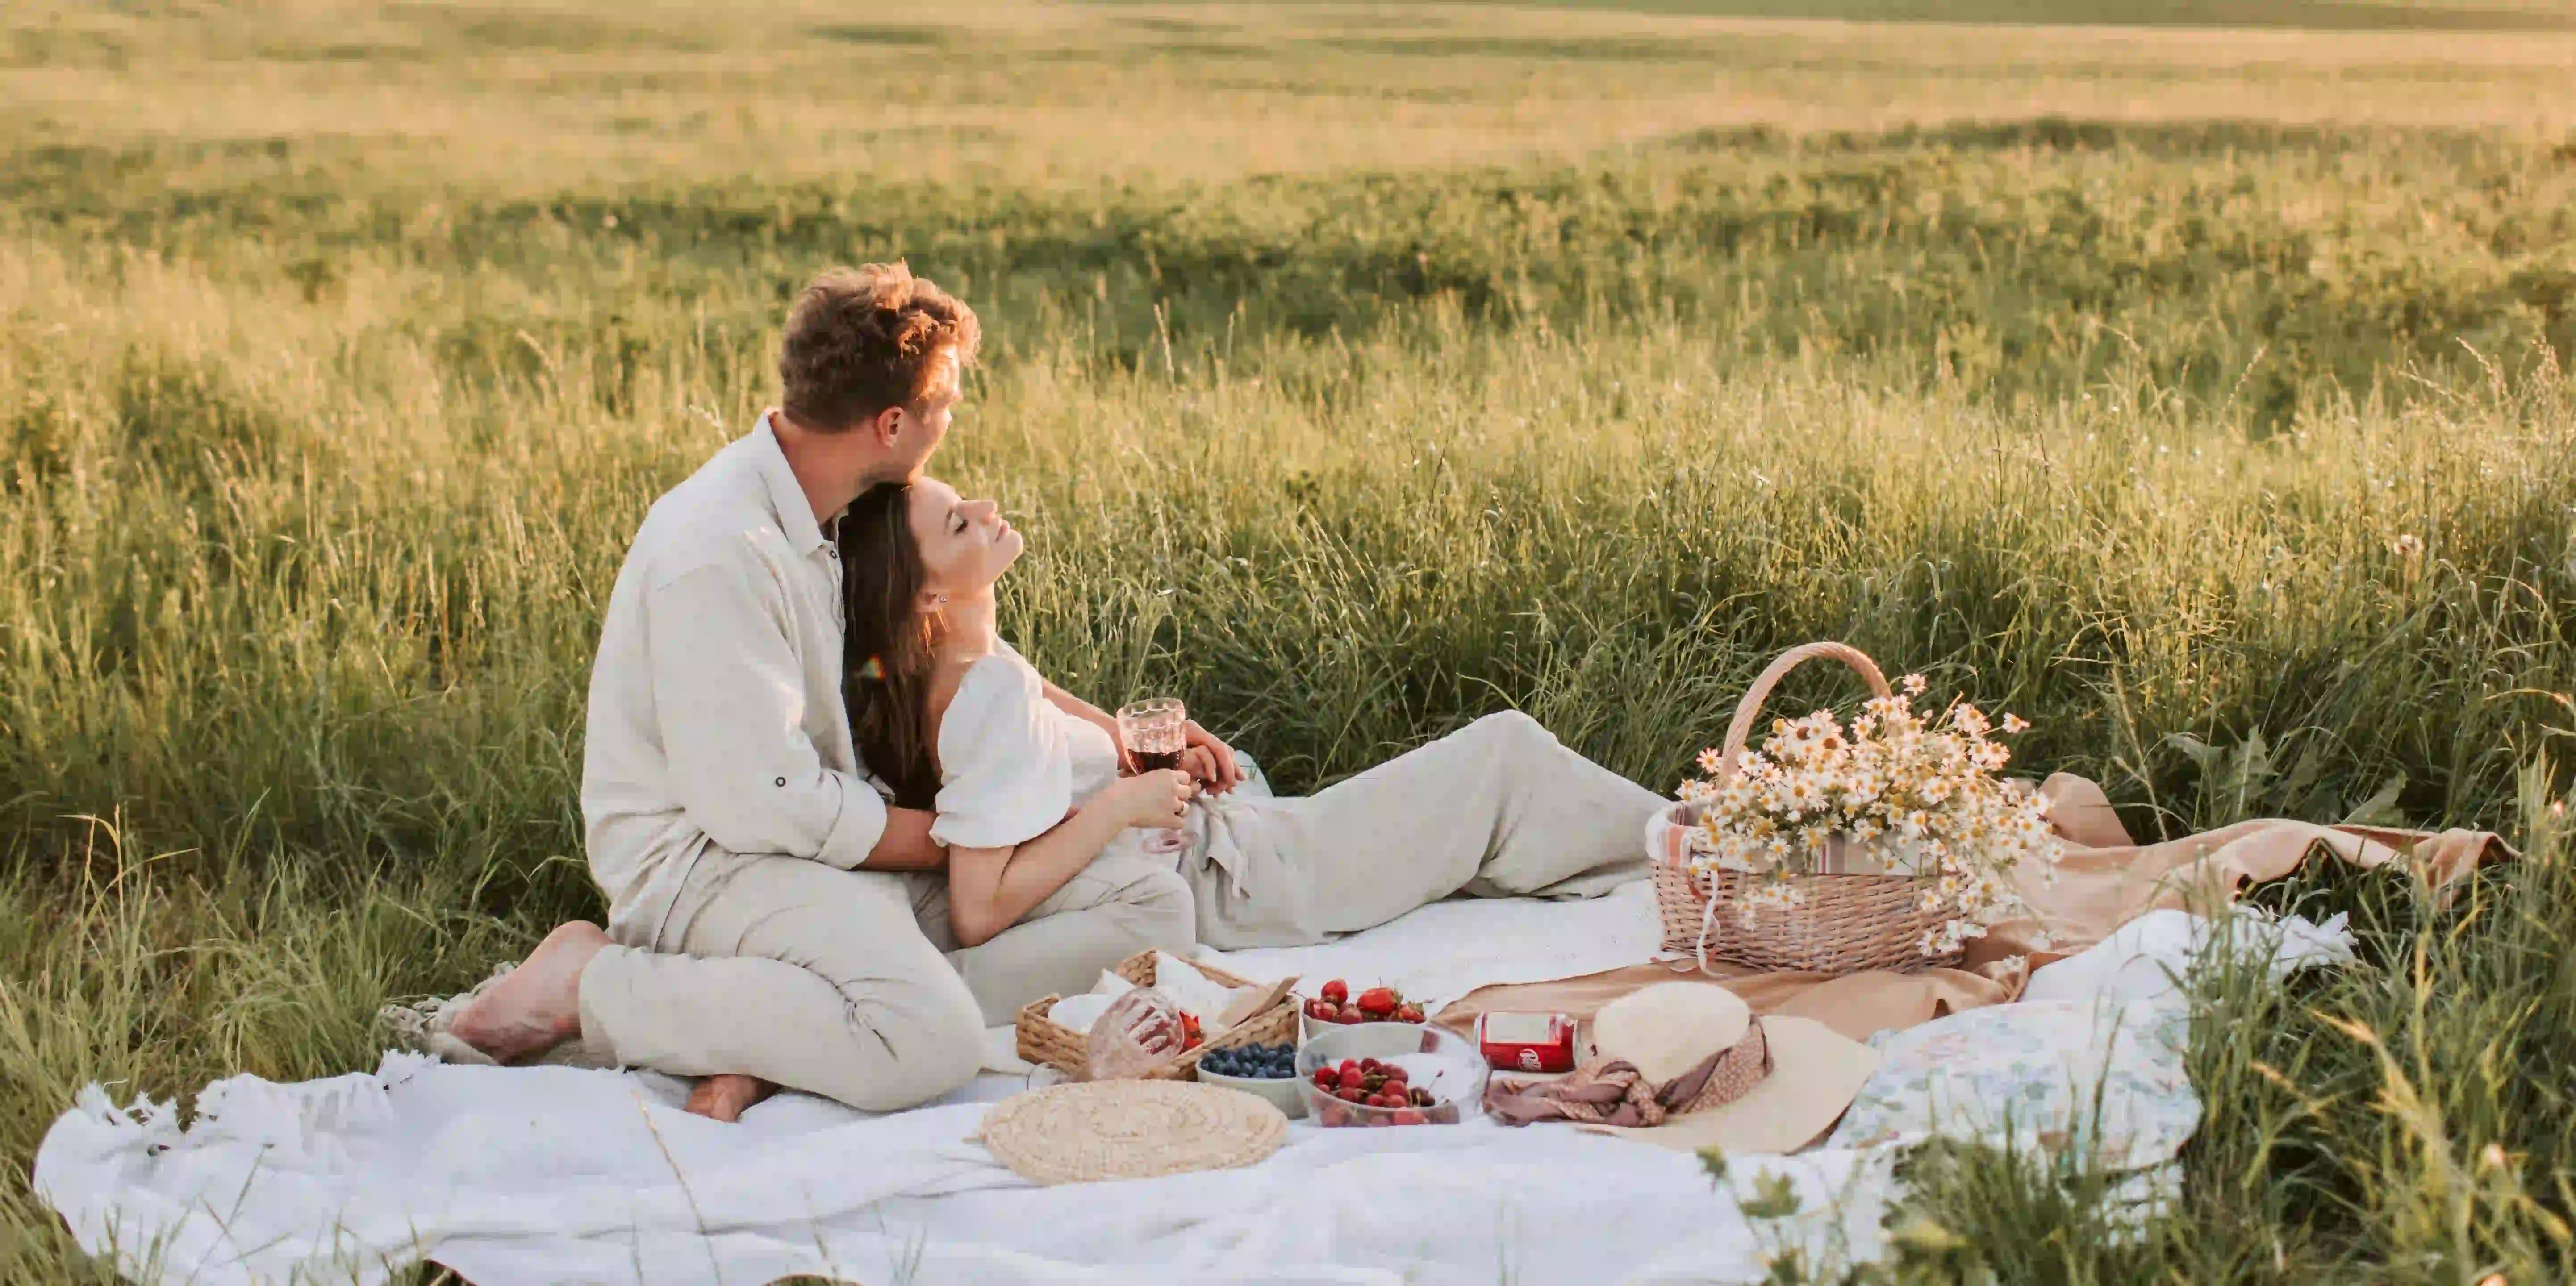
x=861 y=340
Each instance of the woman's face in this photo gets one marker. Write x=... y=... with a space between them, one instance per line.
x=966 y=545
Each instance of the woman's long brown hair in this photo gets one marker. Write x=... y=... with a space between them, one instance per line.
x=886 y=648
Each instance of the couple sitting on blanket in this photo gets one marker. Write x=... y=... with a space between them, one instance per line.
x=842 y=826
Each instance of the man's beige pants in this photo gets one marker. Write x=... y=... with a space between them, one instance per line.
x=833 y=981
x=1499 y=808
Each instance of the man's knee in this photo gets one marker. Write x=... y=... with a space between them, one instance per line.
x=929 y=1033
x=1511 y=730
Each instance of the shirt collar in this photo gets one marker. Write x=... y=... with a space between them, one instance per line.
x=786 y=495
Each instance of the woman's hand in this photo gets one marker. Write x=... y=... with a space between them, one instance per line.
x=1208 y=759
x=1157 y=798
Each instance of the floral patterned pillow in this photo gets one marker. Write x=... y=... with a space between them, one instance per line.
x=2104 y=1078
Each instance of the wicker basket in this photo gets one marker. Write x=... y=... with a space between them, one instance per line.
x=1842 y=923
x=1043 y=1040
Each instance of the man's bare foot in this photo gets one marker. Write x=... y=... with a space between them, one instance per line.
x=536 y=1006
x=727 y=1096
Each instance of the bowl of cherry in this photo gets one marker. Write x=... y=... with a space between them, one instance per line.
x=1384 y=1074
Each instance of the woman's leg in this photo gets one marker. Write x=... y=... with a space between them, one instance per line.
x=794 y=972
x=1499 y=808
x=1119 y=905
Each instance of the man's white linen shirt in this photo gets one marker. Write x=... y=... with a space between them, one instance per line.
x=715 y=704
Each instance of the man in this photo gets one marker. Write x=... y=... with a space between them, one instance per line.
x=760 y=928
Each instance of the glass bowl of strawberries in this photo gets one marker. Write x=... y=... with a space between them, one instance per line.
x=1335 y=1004
x=1388 y=1074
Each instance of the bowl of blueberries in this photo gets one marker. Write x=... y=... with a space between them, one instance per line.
x=1267 y=1072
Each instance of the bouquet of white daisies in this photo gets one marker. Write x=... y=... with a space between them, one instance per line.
x=1893 y=792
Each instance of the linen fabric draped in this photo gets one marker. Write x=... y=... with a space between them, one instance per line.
x=2106 y=880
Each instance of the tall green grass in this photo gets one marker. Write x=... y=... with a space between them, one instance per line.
x=2238 y=456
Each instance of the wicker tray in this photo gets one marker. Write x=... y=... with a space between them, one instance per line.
x=1043 y=1040
x=1130 y=1130
x=1843 y=924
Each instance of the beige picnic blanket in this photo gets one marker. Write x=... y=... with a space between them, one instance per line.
x=2106 y=880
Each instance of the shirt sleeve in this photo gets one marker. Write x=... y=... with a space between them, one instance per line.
x=729 y=696
x=1006 y=775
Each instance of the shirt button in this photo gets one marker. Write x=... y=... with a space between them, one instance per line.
x=780 y=782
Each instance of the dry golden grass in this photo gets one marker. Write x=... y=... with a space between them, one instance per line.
x=505 y=96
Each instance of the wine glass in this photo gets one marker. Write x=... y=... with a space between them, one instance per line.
x=1155 y=731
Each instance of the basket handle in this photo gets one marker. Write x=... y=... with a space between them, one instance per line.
x=1742 y=725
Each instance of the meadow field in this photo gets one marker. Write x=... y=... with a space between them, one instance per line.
x=2188 y=376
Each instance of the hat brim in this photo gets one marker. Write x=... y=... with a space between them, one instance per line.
x=1815 y=1074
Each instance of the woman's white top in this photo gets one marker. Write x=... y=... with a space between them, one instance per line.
x=1011 y=764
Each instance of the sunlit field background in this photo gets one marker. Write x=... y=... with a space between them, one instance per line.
x=2187 y=376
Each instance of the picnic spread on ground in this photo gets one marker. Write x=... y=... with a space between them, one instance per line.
x=561 y=1173
x=1856 y=938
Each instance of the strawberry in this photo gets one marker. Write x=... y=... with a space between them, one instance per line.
x=1327 y=1079
x=1395 y=1073
x=1320 y=1011
x=1336 y=991
x=1370 y=1064
x=1408 y=1116
x=1408 y=1012
x=1351 y=1078
x=1350 y=1094
x=1350 y=1014
x=1377 y=1002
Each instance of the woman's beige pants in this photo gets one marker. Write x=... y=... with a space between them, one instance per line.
x=1499 y=808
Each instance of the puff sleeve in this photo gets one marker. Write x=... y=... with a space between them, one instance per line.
x=1005 y=772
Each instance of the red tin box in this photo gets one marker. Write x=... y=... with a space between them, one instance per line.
x=1526 y=1042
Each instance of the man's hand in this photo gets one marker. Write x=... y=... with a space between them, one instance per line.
x=906 y=844
x=1209 y=760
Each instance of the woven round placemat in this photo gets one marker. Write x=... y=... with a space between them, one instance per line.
x=1098 y=1130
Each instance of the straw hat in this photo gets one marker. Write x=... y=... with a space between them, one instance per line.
x=1669 y=1028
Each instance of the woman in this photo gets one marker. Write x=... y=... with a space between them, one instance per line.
x=952 y=718
x=1037 y=897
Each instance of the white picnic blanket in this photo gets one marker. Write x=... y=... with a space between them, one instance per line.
x=528 y=1176
x=1447 y=949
